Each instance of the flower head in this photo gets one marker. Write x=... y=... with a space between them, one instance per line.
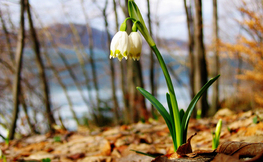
x=135 y=41
x=119 y=46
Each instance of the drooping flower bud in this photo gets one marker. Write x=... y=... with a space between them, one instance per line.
x=135 y=41
x=120 y=46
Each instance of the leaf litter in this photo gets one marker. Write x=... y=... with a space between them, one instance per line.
x=241 y=139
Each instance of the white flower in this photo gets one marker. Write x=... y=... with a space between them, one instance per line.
x=135 y=45
x=119 y=46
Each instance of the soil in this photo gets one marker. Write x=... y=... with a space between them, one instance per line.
x=244 y=130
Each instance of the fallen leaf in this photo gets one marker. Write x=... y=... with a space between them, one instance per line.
x=238 y=149
x=225 y=158
x=40 y=155
x=185 y=148
x=76 y=156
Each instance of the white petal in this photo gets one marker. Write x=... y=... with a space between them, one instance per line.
x=123 y=45
x=135 y=44
x=114 y=43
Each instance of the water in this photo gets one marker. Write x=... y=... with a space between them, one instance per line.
x=59 y=99
x=60 y=103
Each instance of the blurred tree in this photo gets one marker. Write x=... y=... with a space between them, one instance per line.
x=137 y=106
x=11 y=55
x=18 y=67
x=215 y=67
x=249 y=49
x=200 y=74
x=122 y=64
x=41 y=69
x=152 y=61
x=82 y=55
x=116 y=107
x=190 y=30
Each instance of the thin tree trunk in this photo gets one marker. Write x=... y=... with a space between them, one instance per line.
x=41 y=69
x=91 y=51
x=71 y=73
x=152 y=80
x=61 y=122
x=63 y=86
x=80 y=54
x=11 y=55
x=67 y=65
x=137 y=106
x=122 y=75
x=215 y=69
x=199 y=59
x=17 y=77
x=82 y=64
x=190 y=27
x=112 y=70
x=7 y=37
x=25 y=109
x=74 y=77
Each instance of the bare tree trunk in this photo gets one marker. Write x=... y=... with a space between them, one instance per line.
x=11 y=55
x=93 y=67
x=152 y=61
x=61 y=122
x=8 y=42
x=74 y=78
x=215 y=69
x=17 y=77
x=190 y=27
x=41 y=69
x=122 y=75
x=137 y=104
x=25 y=109
x=199 y=58
x=67 y=66
x=113 y=84
x=80 y=54
x=63 y=86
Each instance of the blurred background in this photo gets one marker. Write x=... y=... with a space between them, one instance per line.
x=56 y=72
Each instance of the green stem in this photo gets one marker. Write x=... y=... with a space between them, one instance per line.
x=177 y=120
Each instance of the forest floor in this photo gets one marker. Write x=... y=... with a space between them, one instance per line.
x=110 y=144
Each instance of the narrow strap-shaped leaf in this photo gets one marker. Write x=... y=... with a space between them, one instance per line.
x=135 y=13
x=173 y=133
x=158 y=106
x=181 y=113
x=192 y=104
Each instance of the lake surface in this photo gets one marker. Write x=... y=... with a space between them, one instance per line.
x=60 y=103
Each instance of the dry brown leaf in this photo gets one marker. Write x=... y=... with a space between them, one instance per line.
x=238 y=149
x=185 y=148
x=76 y=156
x=225 y=158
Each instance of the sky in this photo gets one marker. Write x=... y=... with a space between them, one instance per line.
x=170 y=13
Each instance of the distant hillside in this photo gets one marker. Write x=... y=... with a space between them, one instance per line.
x=63 y=35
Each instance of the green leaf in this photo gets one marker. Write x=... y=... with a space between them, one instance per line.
x=170 y=106
x=173 y=133
x=255 y=120
x=216 y=137
x=158 y=106
x=192 y=104
x=57 y=138
x=135 y=13
x=182 y=113
x=46 y=160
